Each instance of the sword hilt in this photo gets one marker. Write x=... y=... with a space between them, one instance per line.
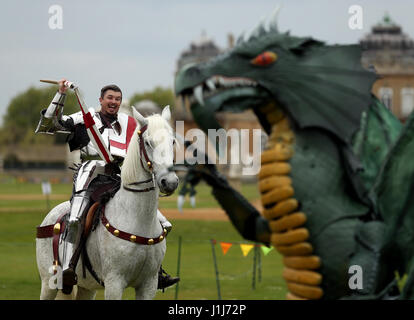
x=67 y=84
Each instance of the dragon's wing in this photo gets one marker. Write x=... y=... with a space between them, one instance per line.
x=393 y=196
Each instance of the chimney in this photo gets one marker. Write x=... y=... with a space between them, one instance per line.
x=230 y=40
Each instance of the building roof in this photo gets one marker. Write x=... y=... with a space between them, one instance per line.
x=388 y=49
x=386 y=34
x=201 y=49
x=37 y=153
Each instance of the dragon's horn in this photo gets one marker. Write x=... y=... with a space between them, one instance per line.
x=259 y=29
x=240 y=39
x=273 y=19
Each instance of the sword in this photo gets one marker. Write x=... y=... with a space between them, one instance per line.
x=93 y=133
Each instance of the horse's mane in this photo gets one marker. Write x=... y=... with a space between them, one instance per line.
x=131 y=165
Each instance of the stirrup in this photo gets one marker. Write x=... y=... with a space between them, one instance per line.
x=69 y=279
x=165 y=280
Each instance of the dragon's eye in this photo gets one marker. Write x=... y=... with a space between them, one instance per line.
x=264 y=59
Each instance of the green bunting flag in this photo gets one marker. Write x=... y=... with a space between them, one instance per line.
x=266 y=250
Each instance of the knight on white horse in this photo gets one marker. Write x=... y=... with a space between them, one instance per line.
x=116 y=130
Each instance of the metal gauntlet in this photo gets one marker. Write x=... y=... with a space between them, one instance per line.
x=49 y=118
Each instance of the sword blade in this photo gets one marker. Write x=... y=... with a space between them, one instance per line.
x=49 y=81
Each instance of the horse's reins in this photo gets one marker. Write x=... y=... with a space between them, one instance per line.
x=138 y=183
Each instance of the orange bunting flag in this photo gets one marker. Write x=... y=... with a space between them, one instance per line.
x=266 y=250
x=225 y=246
x=245 y=248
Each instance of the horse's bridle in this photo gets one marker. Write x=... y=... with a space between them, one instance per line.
x=142 y=149
x=144 y=154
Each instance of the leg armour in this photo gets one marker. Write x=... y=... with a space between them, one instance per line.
x=80 y=203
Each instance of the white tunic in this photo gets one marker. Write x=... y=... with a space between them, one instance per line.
x=117 y=144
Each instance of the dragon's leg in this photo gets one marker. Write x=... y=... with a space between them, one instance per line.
x=376 y=276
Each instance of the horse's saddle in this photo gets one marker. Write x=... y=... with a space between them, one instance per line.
x=55 y=231
x=101 y=190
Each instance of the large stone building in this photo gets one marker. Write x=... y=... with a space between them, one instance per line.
x=391 y=53
x=200 y=50
x=39 y=162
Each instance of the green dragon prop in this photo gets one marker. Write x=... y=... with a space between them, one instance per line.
x=337 y=172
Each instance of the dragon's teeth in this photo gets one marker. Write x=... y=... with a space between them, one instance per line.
x=214 y=81
x=223 y=82
x=210 y=84
x=198 y=94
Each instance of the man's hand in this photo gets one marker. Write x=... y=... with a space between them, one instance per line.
x=62 y=87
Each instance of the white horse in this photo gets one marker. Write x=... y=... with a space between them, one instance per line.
x=117 y=262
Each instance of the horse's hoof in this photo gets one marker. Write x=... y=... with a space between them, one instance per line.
x=67 y=289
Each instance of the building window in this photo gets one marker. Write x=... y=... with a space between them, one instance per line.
x=407 y=98
x=385 y=95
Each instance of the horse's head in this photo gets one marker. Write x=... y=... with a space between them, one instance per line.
x=153 y=150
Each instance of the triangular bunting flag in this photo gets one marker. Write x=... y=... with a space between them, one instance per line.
x=225 y=246
x=266 y=250
x=245 y=248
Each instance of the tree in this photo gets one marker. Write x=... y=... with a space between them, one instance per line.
x=23 y=114
x=161 y=96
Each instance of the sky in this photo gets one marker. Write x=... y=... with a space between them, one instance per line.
x=136 y=43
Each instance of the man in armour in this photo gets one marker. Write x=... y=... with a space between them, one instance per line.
x=114 y=128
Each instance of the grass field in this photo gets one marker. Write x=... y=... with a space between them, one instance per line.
x=18 y=271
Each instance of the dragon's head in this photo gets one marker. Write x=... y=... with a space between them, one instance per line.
x=316 y=85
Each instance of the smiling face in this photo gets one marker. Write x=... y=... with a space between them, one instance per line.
x=110 y=102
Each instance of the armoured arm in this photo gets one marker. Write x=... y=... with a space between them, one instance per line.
x=51 y=118
x=244 y=216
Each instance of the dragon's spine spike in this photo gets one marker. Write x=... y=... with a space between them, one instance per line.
x=288 y=236
x=265 y=25
x=240 y=39
x=259 y=29
x=273 y=19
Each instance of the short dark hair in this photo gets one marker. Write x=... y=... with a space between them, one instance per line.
x=113 y=87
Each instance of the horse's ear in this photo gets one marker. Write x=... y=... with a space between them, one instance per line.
x=139 y=117
x=166 y=113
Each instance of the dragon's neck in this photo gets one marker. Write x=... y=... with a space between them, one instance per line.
x=281 y=209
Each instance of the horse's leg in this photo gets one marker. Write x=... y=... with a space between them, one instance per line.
x=147 y=289
x=46 y=293
x=114 y=288
x=85 y=294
